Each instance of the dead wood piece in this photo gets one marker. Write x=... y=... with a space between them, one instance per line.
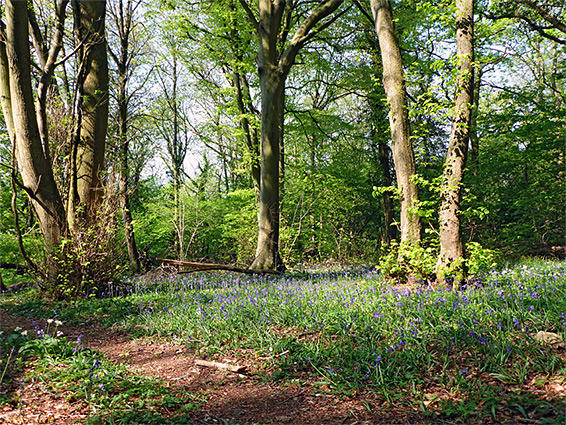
x=197 y=267
x=221 y=366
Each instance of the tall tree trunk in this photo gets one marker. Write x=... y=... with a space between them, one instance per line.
x=451 y=262
x=401 y=145
x=272 y=101
x=90 y=135
x=123 y=20
x=275 y=59
x=19 y=111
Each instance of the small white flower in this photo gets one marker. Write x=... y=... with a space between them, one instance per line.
x=16 y=329
x=58 y=323
x=24 y=333
x=59 y=333
x=49 y=321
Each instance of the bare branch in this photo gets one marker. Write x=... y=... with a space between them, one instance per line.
x=303 y=33
x=250 y=14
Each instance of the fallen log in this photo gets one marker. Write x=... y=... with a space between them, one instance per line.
x=221 y=366
x=199 y=267
x=18 y=268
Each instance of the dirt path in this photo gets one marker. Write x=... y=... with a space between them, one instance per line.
x=228 y=397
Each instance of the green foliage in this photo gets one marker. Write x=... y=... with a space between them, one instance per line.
x=480 y=260
x=208 y=225
x=90 y=260
x=406 y=260
x=518 y=181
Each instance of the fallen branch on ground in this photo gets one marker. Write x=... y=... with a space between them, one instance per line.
x=191 y=267
x=221 y=366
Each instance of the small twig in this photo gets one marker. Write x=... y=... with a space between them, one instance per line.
x=275 y=355
x=181 y=377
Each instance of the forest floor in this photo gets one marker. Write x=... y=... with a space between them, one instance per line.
x=158 y=352
x=223 y=397
x=227 y=398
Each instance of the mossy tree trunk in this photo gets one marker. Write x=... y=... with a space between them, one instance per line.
x=451 y=264
x=89 y=139
x=401 y=145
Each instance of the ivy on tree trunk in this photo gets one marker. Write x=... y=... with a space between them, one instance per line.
x=451 y=262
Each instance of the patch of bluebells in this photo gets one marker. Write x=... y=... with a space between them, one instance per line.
x=78 y=344
x=356 y=306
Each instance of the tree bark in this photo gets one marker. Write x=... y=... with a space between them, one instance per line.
x=123 y=20
x=401 y=145
x=275 y=59
x=451 y=262
x=272 y=100
x=474 y=137
x=33 y=160
x=90 y=135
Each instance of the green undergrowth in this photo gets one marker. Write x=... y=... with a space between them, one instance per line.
x=106 y=392
x=468 y=355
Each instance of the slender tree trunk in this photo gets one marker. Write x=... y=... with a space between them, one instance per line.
x=383 y=154
x=177 y=157
x=123 y=20
x=245 y=106
x=390 y=231
x=401 y=145
x=124 y=172
x=474 y=137
x=90 y=136
x=243 y=100
x=19 y=110
x=451 y=262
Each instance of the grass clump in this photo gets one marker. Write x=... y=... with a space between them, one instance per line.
x=103 y=391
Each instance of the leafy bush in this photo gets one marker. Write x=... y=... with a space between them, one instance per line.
x=407 y=260
x=480 y=259
x=90 y=259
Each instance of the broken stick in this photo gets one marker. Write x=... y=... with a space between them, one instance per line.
x=221 y=366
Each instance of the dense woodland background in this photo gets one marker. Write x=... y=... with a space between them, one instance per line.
x=181 y=151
